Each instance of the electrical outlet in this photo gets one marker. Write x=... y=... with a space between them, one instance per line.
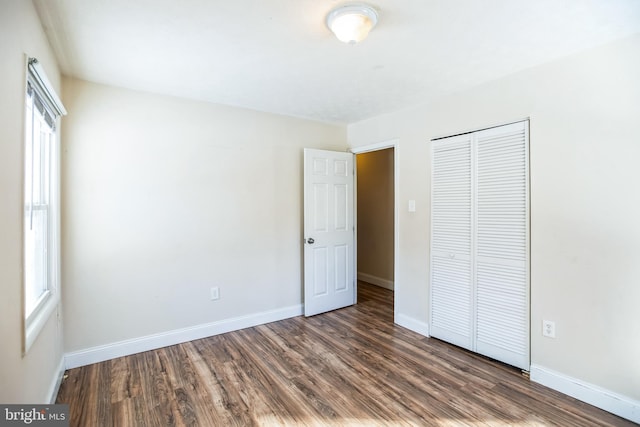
x=549 y=328
x=215 y=293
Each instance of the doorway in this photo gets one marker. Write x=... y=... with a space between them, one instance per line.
x=376 y=219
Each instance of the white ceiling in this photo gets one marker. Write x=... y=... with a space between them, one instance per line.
x=278 y=56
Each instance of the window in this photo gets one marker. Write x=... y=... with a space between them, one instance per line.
x=41 y=207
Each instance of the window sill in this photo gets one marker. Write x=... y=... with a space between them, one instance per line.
x=38 y=320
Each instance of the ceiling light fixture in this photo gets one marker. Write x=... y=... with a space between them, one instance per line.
x=352 y=22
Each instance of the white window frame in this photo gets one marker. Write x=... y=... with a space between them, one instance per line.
x=40 y=87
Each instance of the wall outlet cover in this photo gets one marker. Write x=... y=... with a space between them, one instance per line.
x=549 y=328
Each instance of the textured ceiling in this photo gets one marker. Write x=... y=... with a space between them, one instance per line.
x=278 y=56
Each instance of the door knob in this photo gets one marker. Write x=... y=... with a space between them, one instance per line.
x=310 y=241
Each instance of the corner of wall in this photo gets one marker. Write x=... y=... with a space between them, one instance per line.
x=56 y=382
x=410 y=323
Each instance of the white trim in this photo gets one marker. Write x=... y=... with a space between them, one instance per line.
x=392 y=143
x=177 y=336
x=57 y=381
x=602 y=398
x=39 y=318
x=375 y=280
x=413 y=324
x=479 y=128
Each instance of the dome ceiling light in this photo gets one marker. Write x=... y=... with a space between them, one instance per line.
x=352 y=22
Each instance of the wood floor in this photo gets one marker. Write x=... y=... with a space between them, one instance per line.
x=351 y=367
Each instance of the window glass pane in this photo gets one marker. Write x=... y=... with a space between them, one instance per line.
x=36 y=214
x=35 y=259
x=45 y=163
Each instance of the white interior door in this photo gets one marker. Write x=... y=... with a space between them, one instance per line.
x=329 y=270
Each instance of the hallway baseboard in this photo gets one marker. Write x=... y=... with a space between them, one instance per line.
x=374 y=280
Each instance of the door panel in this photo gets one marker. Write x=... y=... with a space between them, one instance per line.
x=329 y=265
x=502 y=315
x=320 y=277
x=451 y=227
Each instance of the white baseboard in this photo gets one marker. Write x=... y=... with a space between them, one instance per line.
x=599 y=397
x=410 y=323
x=374 y=280
x=164 y=339
x=57 y=381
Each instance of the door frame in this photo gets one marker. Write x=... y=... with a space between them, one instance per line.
x=383 y=145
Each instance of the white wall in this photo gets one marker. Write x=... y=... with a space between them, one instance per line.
x=585 y=204
x=165 y=198
x=28 y=379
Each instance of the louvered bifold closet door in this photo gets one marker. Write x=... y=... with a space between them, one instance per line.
x=501 y=246
x=451 y=271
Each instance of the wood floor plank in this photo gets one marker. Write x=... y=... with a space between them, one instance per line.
x=226 y=395
x=194 y=403
x=213 y=390
x=156 y=390
x=350 y=367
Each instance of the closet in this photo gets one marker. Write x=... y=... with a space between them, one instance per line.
x=480 y=242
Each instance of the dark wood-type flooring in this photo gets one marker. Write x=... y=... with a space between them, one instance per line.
x=350 y=367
